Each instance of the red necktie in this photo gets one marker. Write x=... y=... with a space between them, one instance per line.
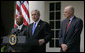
x=67 y=25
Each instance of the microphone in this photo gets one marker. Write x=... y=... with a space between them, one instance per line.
x=15 y=31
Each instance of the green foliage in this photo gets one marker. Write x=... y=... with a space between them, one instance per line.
x=4 y=49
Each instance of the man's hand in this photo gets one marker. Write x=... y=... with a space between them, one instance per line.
x=64 y=47
x=41 y=41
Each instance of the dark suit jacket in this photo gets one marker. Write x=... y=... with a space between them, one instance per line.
x=72 y=36
x=22 y=32
x=42 y=31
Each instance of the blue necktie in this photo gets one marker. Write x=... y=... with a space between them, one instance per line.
x=34 y=26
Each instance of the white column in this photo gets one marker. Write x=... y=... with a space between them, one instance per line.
x=37 y=5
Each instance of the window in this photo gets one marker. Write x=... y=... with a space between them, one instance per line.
x=54 y=20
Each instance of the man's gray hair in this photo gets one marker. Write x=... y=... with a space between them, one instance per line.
x=38 y=12
x=71 y=7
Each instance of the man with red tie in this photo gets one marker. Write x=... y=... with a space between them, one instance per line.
x=69 y=35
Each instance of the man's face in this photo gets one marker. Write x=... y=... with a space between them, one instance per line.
x=19 y=21
x=67 y=12
x=35 y=16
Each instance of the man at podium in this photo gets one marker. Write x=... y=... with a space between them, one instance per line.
x=20 y=30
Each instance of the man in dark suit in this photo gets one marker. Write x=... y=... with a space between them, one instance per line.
x=69 y=35
x=20 y=30
x=39 y=33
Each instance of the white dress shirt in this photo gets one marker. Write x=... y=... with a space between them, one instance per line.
x=71 y=19
x=20 y=27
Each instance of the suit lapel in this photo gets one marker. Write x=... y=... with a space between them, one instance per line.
x=31 y=29
x=14 y=30
x=65 y=25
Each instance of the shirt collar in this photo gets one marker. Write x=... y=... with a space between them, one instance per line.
x=20 y=27
x=37 y=22
x=71 y=18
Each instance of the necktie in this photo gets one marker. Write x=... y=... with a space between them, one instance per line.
x=33 y=28
x=67 y=25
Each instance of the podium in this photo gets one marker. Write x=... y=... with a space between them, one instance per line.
x=14 y=40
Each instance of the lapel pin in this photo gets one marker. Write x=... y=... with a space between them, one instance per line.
x=39 y=25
